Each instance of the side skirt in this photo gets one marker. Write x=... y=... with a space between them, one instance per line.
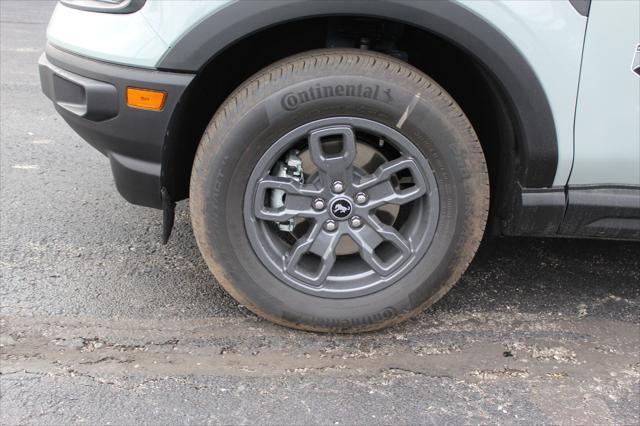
x=577 y=211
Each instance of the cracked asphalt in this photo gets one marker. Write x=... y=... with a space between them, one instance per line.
x=100 y=323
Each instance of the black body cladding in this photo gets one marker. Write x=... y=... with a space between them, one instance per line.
x=91 y=97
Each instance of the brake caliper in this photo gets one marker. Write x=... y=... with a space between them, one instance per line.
x=291 y=167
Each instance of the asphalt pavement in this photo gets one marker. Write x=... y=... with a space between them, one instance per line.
x=101 y=324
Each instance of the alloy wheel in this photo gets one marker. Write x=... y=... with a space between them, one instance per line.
x=341 y=207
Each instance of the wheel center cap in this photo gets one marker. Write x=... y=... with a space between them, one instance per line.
x=341 y=208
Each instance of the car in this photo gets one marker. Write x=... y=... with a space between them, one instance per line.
x=344 y=159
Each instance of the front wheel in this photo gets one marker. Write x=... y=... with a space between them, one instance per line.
x=339 y=190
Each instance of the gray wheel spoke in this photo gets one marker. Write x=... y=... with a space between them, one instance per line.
x=391 y=234
x=374 y=233
x=297 y=202
x=380 y=189
x=368 y=240
x=320 y=243
x=335 y=166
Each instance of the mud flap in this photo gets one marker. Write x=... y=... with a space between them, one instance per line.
x=168 y=215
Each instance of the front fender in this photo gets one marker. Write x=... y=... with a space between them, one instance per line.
x=532 y=49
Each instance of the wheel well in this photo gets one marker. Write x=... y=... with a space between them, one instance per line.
x=475 y=89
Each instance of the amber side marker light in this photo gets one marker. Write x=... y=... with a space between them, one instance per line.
x=146 y=99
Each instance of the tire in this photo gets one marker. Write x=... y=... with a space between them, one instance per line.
x=296 y=101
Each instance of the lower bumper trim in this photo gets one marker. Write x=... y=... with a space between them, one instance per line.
x=133 y=179
x=91 y=97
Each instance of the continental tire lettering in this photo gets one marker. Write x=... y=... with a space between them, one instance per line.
x=385 y=315
x=291 y=101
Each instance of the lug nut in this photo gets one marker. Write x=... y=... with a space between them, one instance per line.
x=361 y=198
x=337 y=187
x=355 y=222
x=330 y=225
x=318 y=204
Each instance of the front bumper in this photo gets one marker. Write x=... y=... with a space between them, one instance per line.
x=91 y=97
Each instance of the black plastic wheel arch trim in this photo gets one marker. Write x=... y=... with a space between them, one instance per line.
x=449 y=20
x=581 y=6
